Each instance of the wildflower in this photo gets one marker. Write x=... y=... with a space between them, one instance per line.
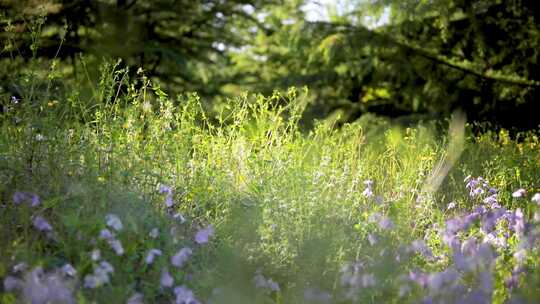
x=12 y=283
x=519 y=193
x=40 y=287
x=68 y=270
x=40 y=137
x=420 y=246
x=106 y=267
x=19 y=197
x=165 y=189
x=136 y=298
x=15 y=100
x=41 y=224
x=379 y=199
x=184 y=295
x=151 y=255
x=100 y=275
x=117 y=247
x=181 y=257
x=520 y=256
x=386 y=223
x=106 y=234
x=519 y=222
x=20 y=267
x=178 y=216
x=169 y=202
x=154 y=233
x=95 y=255
x=536 y=198
x=114 y=222
x=202 y=236
x=264 y=283
x=166 y=279
x=451 y=205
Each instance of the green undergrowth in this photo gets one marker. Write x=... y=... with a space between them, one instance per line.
x=285 y=202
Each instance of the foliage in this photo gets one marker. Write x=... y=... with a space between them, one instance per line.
x=429 y=57
x=341 y=215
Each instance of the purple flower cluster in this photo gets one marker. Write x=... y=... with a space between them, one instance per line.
x=38 y=286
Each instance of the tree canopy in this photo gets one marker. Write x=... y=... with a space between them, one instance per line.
x=391 y=57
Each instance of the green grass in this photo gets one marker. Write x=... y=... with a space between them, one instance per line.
x=284 y=201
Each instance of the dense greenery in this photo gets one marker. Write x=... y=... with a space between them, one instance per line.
x=427 y=58
x=289 y=209
x=118 y=183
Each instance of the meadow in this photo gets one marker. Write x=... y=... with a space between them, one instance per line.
x=140 y=197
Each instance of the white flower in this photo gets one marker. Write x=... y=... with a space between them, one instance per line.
x=536 y=198
x=519 y=193
x=154 y=233
x=95 y=255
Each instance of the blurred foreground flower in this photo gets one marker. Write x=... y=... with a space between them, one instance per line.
x=20 y=197
x=519 y=193
x=184 y=295
x=202 y=236
x=181 y=257
x=114 y=222
x=41 y=224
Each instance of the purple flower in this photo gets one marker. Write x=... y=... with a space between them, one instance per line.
x=368 y=192
x=40 y=287
x=386 y=223
x=12 y=283
x=19 y=197
x=41 y=224
x=165 y=189
x=117 y=247
x=68 y=270
x=519 y=193
x=181 y=257
x=169 y=202
x=264 y=283
x=151 y=255
x=420 y=246
x=106 y=234
x=114 y=222
x=184 y=295
x=202 y=236
x=166 y=279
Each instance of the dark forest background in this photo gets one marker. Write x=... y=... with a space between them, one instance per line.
x=422 y=60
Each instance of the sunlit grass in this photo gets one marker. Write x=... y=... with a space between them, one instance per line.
x=290 y=208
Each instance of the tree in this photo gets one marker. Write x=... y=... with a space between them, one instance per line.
x=431 y=57
x=182 y=44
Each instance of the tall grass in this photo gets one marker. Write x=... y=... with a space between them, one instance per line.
x=290 y=207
